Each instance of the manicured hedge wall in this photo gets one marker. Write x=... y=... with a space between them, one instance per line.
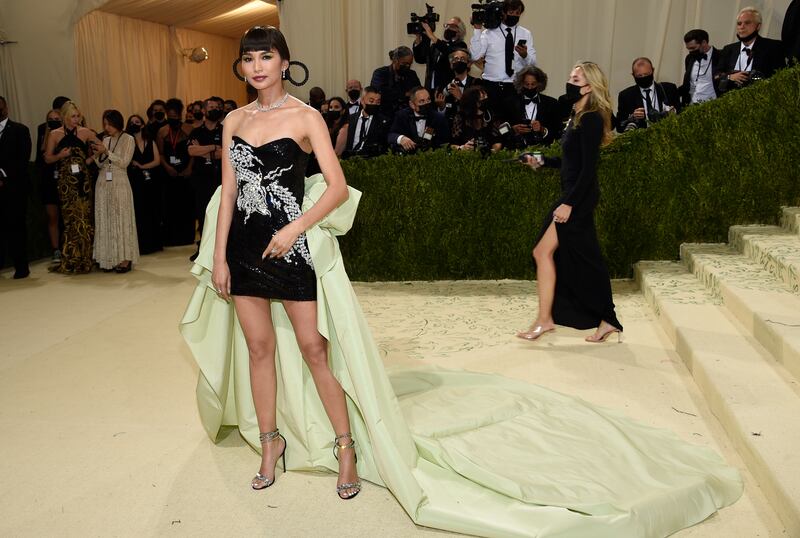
x=445 y=215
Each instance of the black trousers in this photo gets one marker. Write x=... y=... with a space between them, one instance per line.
x=502 y=99
x=204 y=187
x=13 y=225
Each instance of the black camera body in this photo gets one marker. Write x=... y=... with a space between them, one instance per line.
x=655 y=115
x=415 y=26
x=489 y=13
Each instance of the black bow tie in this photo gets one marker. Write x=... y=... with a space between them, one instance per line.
x=529 y=100
x=703 y=57
x=747 y=51
x=420 y=118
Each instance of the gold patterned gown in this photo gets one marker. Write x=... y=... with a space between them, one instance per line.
x=76 y=194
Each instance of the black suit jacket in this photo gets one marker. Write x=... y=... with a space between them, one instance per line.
x=393 y=88
x=436 y=59
x=15 y=151
x=450 y=102
x=790 y=32
x=376 y=139
x=631 y=98
x=688 y=64
x=768 y=57
x=548 y=113
x=405 y=125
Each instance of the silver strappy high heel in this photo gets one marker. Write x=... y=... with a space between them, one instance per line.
x=350 y=485
x=267 y=437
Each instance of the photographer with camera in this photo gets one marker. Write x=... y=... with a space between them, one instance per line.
x=395 y=80
x=367 y=130
x=418 y=127
x=700 y=64
x=751 y=58
x=538 y=116
x=506 y=48
x=473 y=128
x=434 y=52
x=460 y=61
x=647 y=101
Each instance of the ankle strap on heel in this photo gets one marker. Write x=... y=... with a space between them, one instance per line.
x=336 y=444
x=266 y=437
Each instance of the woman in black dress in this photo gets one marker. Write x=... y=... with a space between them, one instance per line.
x=269 y=142
x=472 y=126
x=143 y=173
x=48 y=172
x=571 y=275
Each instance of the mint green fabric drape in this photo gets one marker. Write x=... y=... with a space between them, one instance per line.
x=460 y=451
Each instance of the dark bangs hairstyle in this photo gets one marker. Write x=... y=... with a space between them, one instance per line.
x=264 y=38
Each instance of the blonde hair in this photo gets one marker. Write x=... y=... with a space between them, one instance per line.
x=599 y=98
x=749 y=9
x=67 y=110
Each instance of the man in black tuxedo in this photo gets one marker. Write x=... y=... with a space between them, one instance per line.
x=460 y=61
x=538 y=116
x=647 y=101
x=752 y=57
x=699 y=67
x=790 y=31
x=367 y=130
x=395 y=80
x=15 y=151
x=435 y=52
x=419 y=127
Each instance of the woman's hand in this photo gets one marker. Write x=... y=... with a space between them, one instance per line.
x=64 y=153
x=533 y=162
x=99 y=147
x=221 y=279
x=283 y=241
x=562 y=213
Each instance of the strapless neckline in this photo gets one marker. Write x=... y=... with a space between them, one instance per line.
x=265 y=144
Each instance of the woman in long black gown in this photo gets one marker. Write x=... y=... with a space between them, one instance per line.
x=145 y=179
x=571 y=275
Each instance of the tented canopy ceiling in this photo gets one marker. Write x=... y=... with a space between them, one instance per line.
x=230 y=18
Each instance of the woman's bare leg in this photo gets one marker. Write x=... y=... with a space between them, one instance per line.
x=52 y=224
x=303 y=315
x=256 y=321
x=545 y=283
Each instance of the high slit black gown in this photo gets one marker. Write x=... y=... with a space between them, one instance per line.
x=583 y=287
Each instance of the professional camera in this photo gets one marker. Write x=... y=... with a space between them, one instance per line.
x=655 y=115
x=482 y=145
x=489 y=13
x=415 y=26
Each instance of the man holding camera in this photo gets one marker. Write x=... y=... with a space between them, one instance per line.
x=538 y=116
x=751 y=58
x=395 y=80
x=506 y=48
x=419 y=127
x=647 y=101
x=367 y=130
x=460 y=61
x=434 y=52
x=700 y=65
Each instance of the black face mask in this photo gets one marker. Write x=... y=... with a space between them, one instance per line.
x=530 y=93
x=371 y=109
x=333 y=115
x=159 y=116
x=459 y=68
x=644 y=82
x=403 y=68
x=573 y=94
x=696 y=54
x=174 y=122
x=214 y=114
x=511 y=20
x=353 y=94
x=424 y=109
x=134 y=128
x=53 y=124
x=198 y=115
x=449 y=34
x=747 y=38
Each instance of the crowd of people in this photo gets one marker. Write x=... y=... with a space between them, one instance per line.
x=142 y=184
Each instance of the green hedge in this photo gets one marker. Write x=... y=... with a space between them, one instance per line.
x=442 y=215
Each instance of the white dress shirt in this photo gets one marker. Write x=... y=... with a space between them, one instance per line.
x=359 y=123
x=653 y=98
x=531 y=110
x=353 y=107
x=3 y=126
x=420 y=124
x=701 y=80
x=745 y=63
x=491 y=44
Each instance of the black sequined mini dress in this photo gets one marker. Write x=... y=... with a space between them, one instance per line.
x=270 y=180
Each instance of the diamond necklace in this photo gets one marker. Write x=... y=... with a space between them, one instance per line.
x=273 y=106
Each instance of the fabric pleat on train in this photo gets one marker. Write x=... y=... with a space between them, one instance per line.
x=464 y=452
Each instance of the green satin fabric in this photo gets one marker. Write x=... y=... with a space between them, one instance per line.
x=460 y=451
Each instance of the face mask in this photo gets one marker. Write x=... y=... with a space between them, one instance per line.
x=371 y=109
x=573 y=93
x=198 y=115
x=512 y=20
x=404 y=68
x=449 y=34
x=459 y=68
x=424 y=109
x=530 y=93
x=159 y=116
x=174 y=122
x=214 y=114
x=54 y=124
x=747 y=38
x=134 y=128
x=333 y=115
x=354 y=94
x=644 y=82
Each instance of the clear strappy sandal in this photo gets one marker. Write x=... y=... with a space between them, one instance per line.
x=342 y=488
x=267 y=437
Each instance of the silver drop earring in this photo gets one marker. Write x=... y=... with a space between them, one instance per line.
x=283 y=74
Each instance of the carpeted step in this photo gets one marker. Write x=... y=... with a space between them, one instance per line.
x=767 y=308
x=774 y=248
x=756 y=406
x=790 y=219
